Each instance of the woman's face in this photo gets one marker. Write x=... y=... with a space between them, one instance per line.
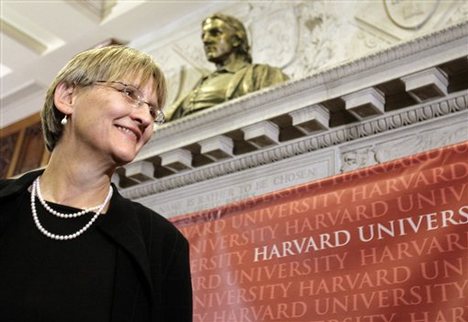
x=105 y=123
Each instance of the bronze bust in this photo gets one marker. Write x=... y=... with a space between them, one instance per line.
x=226 y=45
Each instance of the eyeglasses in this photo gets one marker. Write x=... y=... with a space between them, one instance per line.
x=135 y=96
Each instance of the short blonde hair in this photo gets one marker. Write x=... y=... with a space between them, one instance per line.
x=108 y=63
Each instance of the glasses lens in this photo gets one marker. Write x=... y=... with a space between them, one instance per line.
x=160 y=118
x=134 y=94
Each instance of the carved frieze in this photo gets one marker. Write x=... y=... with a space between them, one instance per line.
x=357 y=159
x=243 y=184
x=406 y=19
x=275 y=37
x=423 y=141
x=410 y=14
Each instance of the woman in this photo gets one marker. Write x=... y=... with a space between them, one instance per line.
x=71 y=247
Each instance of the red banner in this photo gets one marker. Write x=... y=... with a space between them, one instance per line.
x=388 y=243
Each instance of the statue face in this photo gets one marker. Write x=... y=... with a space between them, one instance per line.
x=218 y=40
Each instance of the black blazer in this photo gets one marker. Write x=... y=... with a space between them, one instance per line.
x=152 y=281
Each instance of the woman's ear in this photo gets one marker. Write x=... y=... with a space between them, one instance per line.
x=64 y=97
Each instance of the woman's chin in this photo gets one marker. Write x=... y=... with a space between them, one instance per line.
x=122 y=159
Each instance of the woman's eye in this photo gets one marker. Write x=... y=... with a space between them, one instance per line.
x=129 y=92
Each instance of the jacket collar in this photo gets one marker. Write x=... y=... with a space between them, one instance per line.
x=121 y=226
x=234 y=67
x=13 y=187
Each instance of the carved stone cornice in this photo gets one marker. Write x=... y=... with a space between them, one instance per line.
x=272 y=113
x=397 y=61
x=453 y=103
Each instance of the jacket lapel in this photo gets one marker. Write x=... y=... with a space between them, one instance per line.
x=123 y=227
x=239 y=73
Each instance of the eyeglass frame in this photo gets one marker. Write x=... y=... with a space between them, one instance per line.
x=137 y=98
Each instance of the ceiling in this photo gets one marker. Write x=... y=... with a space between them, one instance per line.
x=39 y=36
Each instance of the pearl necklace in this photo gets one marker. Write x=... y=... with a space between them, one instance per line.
x=59 y=214
x=100 y=208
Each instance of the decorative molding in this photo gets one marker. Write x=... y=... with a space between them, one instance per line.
x=390 y=121
x=140 y=171
x=177 y=160
x=426 y=84
x=311 y=119
x=366 y=103
x=217 y=148
x=262 y=134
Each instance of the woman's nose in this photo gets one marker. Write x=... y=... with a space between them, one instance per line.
x=141 y=113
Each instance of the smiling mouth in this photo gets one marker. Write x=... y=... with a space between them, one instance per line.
x=128 y=132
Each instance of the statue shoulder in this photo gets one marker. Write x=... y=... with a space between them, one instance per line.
x=267 y=75
x=265 y=67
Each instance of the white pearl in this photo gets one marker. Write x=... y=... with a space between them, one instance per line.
x=100 y=208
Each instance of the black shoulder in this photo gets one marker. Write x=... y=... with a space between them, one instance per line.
x=10 y=187
x=150 y=219
x=6 y=187
x=4 y=183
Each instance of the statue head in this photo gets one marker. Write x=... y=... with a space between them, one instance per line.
x=223 y=36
